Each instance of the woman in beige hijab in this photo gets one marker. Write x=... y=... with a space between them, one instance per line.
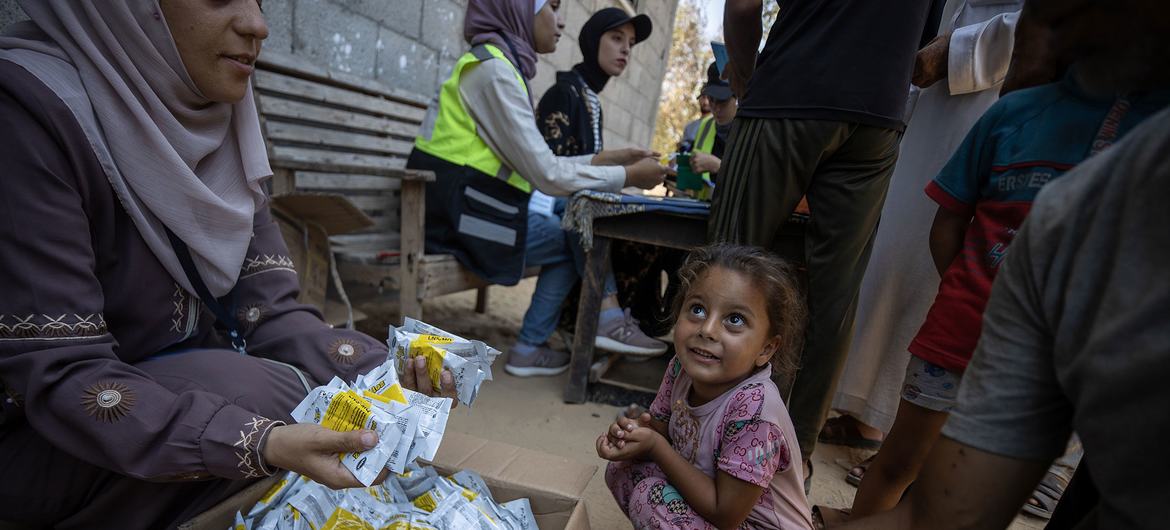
x=151 y=345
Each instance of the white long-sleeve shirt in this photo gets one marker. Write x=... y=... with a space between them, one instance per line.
x=505 y=121
x=981 y=53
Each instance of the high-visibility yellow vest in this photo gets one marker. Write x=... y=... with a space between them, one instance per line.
x=705 y=143
x=454 y=137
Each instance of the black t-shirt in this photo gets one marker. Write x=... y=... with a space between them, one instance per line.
x=844 y=60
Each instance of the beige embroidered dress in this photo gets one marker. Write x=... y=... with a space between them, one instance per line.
x=122 y=406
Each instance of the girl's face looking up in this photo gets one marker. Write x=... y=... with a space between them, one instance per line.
x=722 y=332
x=547 y=27
x=218 y=41
x=613 y=52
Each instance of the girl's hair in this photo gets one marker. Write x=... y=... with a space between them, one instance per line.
x=773 y=276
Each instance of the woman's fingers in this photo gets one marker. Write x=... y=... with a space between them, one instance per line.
x=447 y=382
x=418 y=378
x=334 y=442
x=604 y=448
x=335 y=476
x=421 y=377
x=408 y=379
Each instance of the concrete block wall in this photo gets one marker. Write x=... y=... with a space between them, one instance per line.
x=413 y=44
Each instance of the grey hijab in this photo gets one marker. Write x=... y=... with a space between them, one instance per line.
x=175 y=159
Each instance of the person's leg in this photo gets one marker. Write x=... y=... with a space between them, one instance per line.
x=654 y=503
x=617 y=330
x=927 y=398
x=765 y=174
x=1079 y=501
x=845 y=198
x=623 y=477
x=547 y=248
x=1051 y=489
x=850 y=432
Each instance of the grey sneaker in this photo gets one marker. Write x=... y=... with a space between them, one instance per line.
x=543 y=360
x=622 y=335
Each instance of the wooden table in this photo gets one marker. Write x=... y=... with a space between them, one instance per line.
x=655 y=228
x=683 y=232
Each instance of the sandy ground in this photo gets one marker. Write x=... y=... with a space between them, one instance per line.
x=529 y=412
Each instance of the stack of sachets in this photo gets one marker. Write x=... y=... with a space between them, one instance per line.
x=470 y=361
x=417 y=499
x=410 y=426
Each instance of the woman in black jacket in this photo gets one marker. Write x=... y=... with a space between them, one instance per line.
x=569 y=114
x=570 y=117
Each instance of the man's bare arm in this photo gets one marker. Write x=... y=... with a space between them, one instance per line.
x=742 y=29
x=961 y=487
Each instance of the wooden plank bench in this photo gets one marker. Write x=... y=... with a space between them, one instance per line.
x=328 y=131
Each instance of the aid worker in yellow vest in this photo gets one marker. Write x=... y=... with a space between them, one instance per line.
x=711 y=138
x=482 y=141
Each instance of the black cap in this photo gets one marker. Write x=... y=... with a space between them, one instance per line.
x=613 y=18
x=716 y=88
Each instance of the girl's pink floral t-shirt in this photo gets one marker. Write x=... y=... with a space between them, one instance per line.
x=746 y=433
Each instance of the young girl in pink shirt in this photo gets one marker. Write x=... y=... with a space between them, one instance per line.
x=716 y=449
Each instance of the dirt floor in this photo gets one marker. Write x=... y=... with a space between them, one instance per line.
x=530 y=413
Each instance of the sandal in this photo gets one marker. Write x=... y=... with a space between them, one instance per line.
x=1047 y=495
x=841 y=431
x=857 y=472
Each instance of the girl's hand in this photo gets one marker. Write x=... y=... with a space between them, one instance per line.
x=638 y=443
x=624 y=424
x=312 y=450
x=419 y=380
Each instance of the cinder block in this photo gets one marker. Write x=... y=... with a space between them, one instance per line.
x=402 y=16
x=619 y=122
x=442 y=24
x=279 y=16
x=576 y=13
x=335 y=38
x=545 y=77
x=405 y=63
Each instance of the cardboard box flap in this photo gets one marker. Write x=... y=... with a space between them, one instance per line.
x=223 y=515
x=553 y=485
x=333 y=212
x=511 y=465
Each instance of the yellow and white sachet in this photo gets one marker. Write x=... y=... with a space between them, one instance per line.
x=469 y=361
x=339 y=407
x=381 y=386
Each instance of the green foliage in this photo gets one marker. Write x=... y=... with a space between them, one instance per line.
x=686 y=69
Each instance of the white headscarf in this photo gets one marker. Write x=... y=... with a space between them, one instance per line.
x=537 y=4
x=174 y=158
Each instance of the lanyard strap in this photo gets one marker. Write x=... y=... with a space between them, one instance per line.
x=225 y=317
